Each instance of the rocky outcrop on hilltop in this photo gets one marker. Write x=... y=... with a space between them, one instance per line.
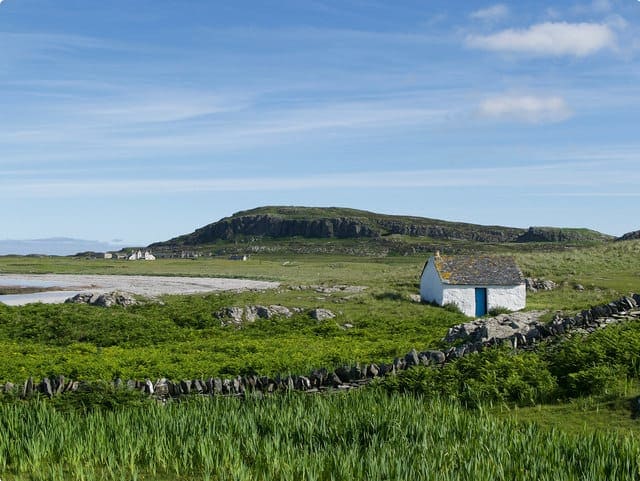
x=557 y=234
x=630 y=236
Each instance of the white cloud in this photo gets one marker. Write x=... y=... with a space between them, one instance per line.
x=526 y=108
x=549 y=38
x=492 y=13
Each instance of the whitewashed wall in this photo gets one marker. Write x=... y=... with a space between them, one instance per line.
x=430 y=284
x=462 y=296
x=513 y=298
x=509 y=297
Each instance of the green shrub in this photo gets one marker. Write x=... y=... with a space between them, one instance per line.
x=494 y=375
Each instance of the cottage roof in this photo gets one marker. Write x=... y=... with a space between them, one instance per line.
x=478 y=270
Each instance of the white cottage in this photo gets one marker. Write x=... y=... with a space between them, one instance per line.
x=476 y=284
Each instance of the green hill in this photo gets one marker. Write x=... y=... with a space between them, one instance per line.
x=282 y=223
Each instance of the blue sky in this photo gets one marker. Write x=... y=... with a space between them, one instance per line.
x=140 y=120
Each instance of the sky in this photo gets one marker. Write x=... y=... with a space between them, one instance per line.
x=136 y=121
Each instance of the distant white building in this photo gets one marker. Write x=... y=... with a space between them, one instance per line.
x=476 y=284
x=108 y=255
x=138 y=255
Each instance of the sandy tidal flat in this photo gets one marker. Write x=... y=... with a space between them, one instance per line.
x=148 y=286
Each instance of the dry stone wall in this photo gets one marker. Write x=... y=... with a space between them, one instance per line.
x=515 y=329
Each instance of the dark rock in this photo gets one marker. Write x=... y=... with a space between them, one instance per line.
x=148 y=387
x=185 y=386
x=197 y=386
x=238 y=387
x=174 y=389
x=411 y=359
x=227 y=386
x=356 y=372
x=399 y=364
x=436 y=357
x=321 y=314
x=210 y=386
x=46 y=389
x=217 y=385
x=335 y=379
x=424 y=359
x=303 y=383
x=161 y=388
x=263 y=382
x=372 y=370
x=27 y=389
x=344 y=373
x=318 y=377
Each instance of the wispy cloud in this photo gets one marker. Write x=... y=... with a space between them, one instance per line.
x=492 y=13
x=526 y=108
x=549 y=39
x=201 y=123
x=157 y=108
x=536 y=176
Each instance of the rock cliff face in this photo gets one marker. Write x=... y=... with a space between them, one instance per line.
x=275 y=226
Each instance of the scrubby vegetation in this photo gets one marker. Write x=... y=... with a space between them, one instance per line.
x=605 y=363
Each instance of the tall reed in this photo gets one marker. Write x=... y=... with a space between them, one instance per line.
x=361 y=435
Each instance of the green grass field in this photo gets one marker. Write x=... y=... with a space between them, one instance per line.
x=587 y=416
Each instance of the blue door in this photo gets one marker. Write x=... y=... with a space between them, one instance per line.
x=481 y=301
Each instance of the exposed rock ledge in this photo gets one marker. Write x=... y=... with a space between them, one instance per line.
x=237 y=316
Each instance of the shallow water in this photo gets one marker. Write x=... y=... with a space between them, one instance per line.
x=49 y=297
x=11 y=281
x=46 y=297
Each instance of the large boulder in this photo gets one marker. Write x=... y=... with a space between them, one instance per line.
x=109 y=299
x=321 y=314
x=503 y=326
x=533 y=284
x=239 y=315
